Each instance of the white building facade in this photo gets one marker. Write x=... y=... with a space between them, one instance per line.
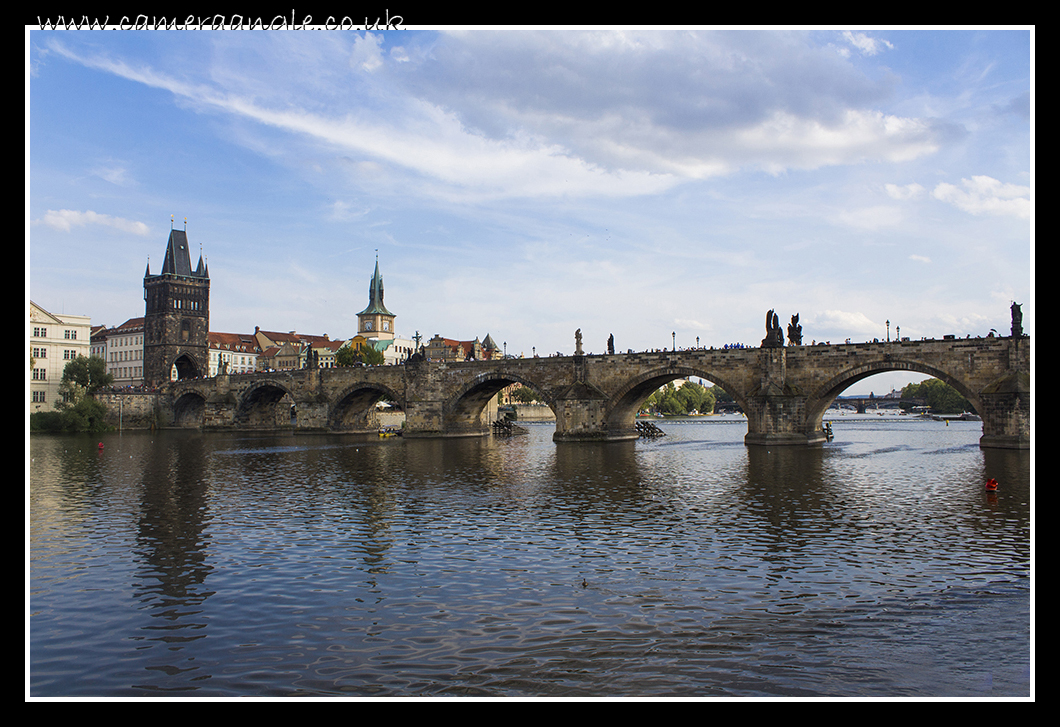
x=54 y=341
x=233 y=353
x=125 y=353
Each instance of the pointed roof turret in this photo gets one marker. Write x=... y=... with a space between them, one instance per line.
x=375 y=295
x=178 y=259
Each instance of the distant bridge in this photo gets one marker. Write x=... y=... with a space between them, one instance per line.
x=784 y=391
x=862 y=403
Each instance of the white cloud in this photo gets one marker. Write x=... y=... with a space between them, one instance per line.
x=787 y=141
x=866 y=44
x=424 y=139
x=920 y=258
x=691 y=104
x=611 y=114
x=114 y=174
x=848 y=323
x=65 y=220
x=903 y=192
x=692 y=324
x=986 y=195
x=367 y=53
x=870 y=218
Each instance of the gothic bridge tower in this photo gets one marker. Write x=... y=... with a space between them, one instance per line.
x=176 y=316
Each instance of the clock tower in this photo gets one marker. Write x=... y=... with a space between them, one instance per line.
x=376 y=321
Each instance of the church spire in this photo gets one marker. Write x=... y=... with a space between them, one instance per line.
x=376 y=321
x=375 y=294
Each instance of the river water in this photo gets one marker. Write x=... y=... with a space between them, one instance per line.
x=182 y=564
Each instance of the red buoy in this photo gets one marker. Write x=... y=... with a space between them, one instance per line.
x=991 y=485
x=101 y=445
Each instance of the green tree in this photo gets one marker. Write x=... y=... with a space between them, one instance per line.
x=346 y=356
x=88 y=372
x=364 y=355
x=707 y=407
x=76 y=410
x=940 y=396
x=665 y=401
x=721 y=395
x=369 y=356
x=693 y=396
x=525 y=395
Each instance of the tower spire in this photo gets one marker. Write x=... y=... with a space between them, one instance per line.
x=376 y=320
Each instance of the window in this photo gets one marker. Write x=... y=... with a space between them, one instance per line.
x=40 y=353
x=70 y=335
x=40 y=374
x=40 y=332
x=37 y=396
x=69 y=355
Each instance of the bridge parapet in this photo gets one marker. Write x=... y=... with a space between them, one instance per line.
x=783 y=390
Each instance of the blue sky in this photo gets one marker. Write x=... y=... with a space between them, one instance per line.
x=529 y=182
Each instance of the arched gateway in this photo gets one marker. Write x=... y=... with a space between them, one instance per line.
x=783 y=390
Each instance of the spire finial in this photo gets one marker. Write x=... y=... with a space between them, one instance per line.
x=171 y=222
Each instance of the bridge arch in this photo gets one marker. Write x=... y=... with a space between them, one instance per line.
x=189 y=410
x=463 y=410
x=822 y=398
x=622 y=409
x=265 y=405
x=352 y=408
x=186 y=368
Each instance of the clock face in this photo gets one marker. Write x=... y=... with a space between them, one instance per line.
x=367 y=325
x=386 y=325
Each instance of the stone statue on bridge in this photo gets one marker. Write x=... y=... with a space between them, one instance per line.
x=794 y=331
x=419 y=356
x=774 y=334
x=578 y=343
x=611 y=344
x=1017 y=320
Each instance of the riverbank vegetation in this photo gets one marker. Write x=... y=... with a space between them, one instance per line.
x=939 y=396
x=685 y=399
x=77 y=410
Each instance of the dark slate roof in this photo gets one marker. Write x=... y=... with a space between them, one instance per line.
x=178 y=257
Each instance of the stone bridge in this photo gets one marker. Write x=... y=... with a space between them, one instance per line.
x=784 y=391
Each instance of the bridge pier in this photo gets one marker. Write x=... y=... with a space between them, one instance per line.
x=429 y=419
x=1006 y=413
x=781 y=420
x=582 y=413
x=776 y=409
x=585 y=420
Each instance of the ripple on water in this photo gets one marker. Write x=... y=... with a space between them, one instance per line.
x=686 y=566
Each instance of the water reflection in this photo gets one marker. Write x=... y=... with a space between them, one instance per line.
x=208 y=565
